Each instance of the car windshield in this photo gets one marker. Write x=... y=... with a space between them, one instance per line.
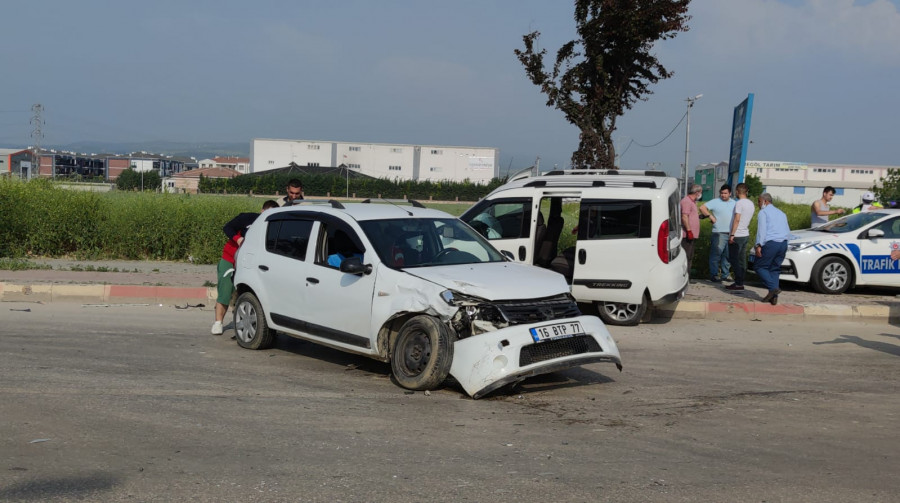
x=425 y=242
x=850 y=223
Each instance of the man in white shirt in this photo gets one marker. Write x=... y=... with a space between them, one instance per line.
x=740 y=236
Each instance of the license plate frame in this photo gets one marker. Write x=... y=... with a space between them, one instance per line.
x=555 y=331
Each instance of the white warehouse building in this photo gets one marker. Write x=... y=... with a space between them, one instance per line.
x=379 y=160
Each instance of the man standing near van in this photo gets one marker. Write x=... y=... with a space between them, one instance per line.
x=819 y=211
x=740 y=236
x=690 y=222
x=720 y=212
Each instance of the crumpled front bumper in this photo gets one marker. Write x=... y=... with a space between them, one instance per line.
x=488 y=361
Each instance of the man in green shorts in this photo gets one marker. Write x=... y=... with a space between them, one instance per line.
x=235 y=230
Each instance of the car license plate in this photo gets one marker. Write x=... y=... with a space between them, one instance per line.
x=556 y=331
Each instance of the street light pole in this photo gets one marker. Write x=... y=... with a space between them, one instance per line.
x=687 y=143
x=347 y=171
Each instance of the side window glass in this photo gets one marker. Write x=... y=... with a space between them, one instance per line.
x=615 y=220
x=289 y=238
x=503 y=220
x=337 y=243
x=891 y=228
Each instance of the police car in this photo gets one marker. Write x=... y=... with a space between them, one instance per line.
x=850 y=251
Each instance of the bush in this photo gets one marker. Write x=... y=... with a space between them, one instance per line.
x=134 y=180
x=336 y=186
x=41 y=219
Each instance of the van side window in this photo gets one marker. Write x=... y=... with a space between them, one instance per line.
x=502 y=219
x=614 y=220
x=288 y=237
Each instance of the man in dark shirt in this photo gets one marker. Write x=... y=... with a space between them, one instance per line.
x=235 y=229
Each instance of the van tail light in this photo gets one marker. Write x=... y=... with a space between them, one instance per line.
x=662 y=242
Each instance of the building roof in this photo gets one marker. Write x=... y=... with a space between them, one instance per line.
x=11 y=151
x=293 y=168
x=216 y=172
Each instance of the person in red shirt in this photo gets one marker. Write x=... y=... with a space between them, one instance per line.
x=235 y=229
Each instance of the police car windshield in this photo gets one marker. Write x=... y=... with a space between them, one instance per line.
x=850 y=223
x=425 y=242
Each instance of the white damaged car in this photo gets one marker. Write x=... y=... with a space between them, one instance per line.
x=412 y=286
x=852 y=250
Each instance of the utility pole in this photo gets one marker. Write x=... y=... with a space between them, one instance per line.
x=687 y=143
x=36 y=123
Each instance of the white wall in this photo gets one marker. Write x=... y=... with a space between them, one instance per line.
x=404 y=162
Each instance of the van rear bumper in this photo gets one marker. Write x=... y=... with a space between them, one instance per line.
x=671 y=298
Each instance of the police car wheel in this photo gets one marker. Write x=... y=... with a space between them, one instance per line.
x=831 y=275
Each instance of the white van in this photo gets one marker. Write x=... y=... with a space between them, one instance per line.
x=627 y=235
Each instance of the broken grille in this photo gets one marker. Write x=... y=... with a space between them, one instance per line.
x=533 y=311
x=548 y=350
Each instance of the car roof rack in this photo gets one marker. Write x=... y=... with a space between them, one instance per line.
x=599 y=172
x=412 y=202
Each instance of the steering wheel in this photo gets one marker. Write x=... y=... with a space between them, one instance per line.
x=443 y=253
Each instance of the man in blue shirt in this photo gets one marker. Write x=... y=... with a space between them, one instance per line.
x=772 y=233
x=720 y=212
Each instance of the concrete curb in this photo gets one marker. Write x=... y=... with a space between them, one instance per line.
x=130 y=294
x=11 y=292
x=760 y=310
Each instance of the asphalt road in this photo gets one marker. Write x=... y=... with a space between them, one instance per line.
x=140 y=403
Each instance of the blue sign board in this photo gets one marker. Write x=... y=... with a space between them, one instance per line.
x=740 y=137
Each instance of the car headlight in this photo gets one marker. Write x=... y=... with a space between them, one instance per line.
x=802 y=245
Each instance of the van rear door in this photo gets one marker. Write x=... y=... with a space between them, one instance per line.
x=614 y=237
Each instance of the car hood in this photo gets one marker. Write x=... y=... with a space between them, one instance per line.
x=811 y=235
x=495 y=280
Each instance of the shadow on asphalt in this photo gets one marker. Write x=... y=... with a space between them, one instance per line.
x=891 y=349
x=569 y=378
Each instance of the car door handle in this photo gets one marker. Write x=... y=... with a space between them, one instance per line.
x=521 y=254
x=313 y=281
x=582 y=256
x=263 y=268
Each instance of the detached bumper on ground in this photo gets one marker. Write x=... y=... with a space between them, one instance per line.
x=486 y=362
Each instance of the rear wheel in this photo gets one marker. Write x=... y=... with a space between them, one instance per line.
x=621 y=313
x=422 y=354
x=831 y=275
x=250 y=327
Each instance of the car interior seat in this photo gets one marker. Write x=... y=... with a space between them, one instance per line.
x=549 y=244
x=540 y=231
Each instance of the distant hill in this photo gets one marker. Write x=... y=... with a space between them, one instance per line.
x=201 y=150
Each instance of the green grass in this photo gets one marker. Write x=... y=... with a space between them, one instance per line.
x=16 y=264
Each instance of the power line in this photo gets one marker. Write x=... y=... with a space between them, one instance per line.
x=657 y=143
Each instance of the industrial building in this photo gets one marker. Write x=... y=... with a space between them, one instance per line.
x=378 y=160
x=797 y=182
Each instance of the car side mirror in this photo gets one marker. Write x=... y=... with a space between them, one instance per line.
x=354 y=265
x=875 y=233
x=508 y=254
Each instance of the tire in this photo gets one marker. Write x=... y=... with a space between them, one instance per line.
x=250 y=328
x=831 y=275
x=422 y=354
x=622 y=314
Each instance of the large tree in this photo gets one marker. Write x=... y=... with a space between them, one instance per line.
x=607 y=70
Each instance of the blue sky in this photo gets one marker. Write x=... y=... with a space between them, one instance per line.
x=825 y=74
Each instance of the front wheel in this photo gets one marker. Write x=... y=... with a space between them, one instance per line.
x=422 y=354
x=831 y=275
x=622 y=314
x=250 y=328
